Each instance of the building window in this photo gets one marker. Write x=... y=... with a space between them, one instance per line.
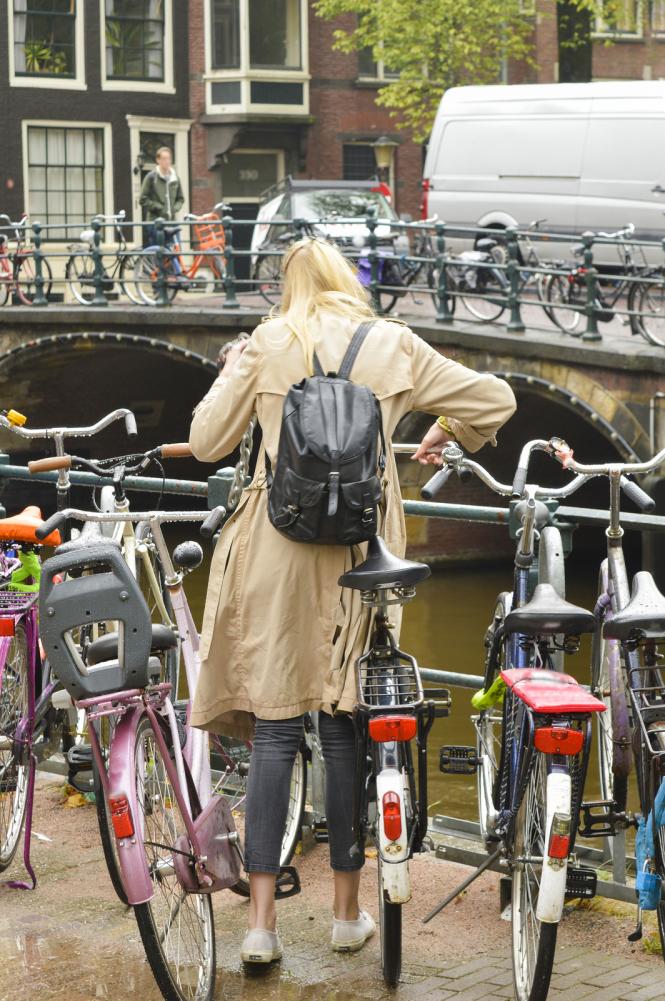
x=359 y=162
x=624 y=20
x=658 y=17
x=44 y=38
x=370 y=69
x=134 y=39
x=65 y=174
x=257 y=55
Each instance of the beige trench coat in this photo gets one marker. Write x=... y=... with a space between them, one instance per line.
x=279 y=636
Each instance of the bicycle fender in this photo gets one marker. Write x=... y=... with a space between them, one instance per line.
x=394 y=852
x=554 y=872
x=122 y=782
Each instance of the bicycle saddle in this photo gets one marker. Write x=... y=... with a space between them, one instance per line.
x=21 y=528
x=548 y=612
x=644 y=614
x=106 y=646
x=382 y=569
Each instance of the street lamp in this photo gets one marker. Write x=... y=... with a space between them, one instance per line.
x=384 y=152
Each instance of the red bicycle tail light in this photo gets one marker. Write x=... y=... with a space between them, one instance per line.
x=424 y=201
x=559 y=843
x=121 y=817
x=7 y=627
x=392 y=816
x=385 y=728
x=558 y=740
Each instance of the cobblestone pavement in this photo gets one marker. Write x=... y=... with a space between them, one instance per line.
x=71 y=940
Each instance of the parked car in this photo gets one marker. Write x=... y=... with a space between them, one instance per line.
x=312 y=201
x=587 y=156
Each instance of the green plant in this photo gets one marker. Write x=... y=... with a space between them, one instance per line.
x=129 y=43
x=41 y=58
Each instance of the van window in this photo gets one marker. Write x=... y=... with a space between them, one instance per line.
x=512 y=147
x=623 y=149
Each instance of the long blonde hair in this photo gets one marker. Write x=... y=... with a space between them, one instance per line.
x=317 y=277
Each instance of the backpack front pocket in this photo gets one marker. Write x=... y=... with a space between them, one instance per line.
x=357 y=518
x=294 y=505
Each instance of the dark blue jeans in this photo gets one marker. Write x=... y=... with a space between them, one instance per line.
x=276 y=744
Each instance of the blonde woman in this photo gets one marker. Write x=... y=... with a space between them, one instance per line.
x=280 y=637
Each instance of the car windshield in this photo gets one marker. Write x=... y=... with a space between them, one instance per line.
x=330 y=203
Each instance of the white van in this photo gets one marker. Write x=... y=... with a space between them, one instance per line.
x=583 y=156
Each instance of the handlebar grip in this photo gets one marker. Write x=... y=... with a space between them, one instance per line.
x=465 y=475
x=50 y=463
x=637 y=495
x=130 y=424
x=179 y=450
x=436 y=483
x=56 y=521
x=519 y=482
x=212 y=522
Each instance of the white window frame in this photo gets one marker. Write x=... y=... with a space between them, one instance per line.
x=69 y=124
x=245 y=75
x=77 y=82
x=380 y=75
x=279 y=153
x=180 y=128
x=603 y=30
x=657 y=32
x=165 y=86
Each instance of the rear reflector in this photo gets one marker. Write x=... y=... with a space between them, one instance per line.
x=121 y=817
x=559 y=844
x=385 y=728
x=7 y=627
x=424 y=201
x=392 y=816
x=558 y=740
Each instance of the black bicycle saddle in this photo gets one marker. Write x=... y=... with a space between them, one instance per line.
x=548 y=612
x=644 y=615
x=382 y=569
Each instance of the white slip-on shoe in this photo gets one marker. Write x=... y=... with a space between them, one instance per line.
x=349 y=936
x=261 y=946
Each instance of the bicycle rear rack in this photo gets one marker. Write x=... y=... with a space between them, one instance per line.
x=388 y=680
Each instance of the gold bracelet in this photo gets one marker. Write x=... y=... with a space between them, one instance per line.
x=445 y=424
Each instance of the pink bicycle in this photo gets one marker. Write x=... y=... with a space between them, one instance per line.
x=17 y=269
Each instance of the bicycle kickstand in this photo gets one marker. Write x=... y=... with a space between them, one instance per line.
x=485 y=864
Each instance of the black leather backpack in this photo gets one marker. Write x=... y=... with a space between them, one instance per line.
x=326 y=485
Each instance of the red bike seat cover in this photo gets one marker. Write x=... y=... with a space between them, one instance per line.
x=550 y=691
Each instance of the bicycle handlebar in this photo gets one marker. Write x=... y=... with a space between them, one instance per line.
x=563 y=453
x=111 y=517
x=637 y=495
x=51 y=463
x=56 y=462
x=80 y=432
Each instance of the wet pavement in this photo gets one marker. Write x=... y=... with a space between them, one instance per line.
x=71 y=939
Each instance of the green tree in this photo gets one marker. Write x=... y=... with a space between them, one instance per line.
x=437 y=44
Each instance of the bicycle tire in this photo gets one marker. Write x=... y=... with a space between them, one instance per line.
x=487 y=310
x=556 y=285
x=77 y=278
x=294 y=819
x=531 y=982
x=146 y=282
x=6 y=280
x=268 y=277
x=13 y=777
x=162 y=954
x=651 y=327
x=26 y=288
x=390 y=932
x=126 y=268
x=433 y=283
x=489 y=729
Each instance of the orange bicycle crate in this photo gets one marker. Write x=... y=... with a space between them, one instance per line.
x=209 y=232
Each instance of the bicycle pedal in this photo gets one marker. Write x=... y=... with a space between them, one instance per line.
x=457 y=760
x=601 y=824
x=581 y=883
x=287 y=883
x=320 y=832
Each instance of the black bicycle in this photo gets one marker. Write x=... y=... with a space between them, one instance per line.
x=80 y=272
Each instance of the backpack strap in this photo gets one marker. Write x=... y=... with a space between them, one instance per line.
x=349 y=359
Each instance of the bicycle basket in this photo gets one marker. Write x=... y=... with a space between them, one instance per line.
x=209 y=232
x=83 y=587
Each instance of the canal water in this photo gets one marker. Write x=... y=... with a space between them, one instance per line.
x=444 y=628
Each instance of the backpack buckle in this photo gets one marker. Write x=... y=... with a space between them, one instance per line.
x=367 y=516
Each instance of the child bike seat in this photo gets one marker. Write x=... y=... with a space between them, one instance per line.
x=21 y=528
x=549 y=692
x=382 y=569
x=79 y=588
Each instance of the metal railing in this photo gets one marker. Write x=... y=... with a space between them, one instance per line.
x=570 y=278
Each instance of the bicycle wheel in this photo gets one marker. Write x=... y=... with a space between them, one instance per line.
x=566 y=301
x=294 y=817
x=146 y=279
x=13 y=777
x=26 y=287
x=268 y=277
x=6 y=279
x=177 y=928
x=80 y=276
x=650 y=304
x=128 y=262
x=533 y=941
x=489 y=731
x=390 y=930
x=433 y=283
x=490 y=301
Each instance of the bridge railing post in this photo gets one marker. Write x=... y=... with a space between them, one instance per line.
x=590 y=277
x=374 y=259
x=443 y=312
x=230 y=297
x=162 y=272
x=38 y=256
x=299 y=227
x=515 y=323
x=99 y=299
